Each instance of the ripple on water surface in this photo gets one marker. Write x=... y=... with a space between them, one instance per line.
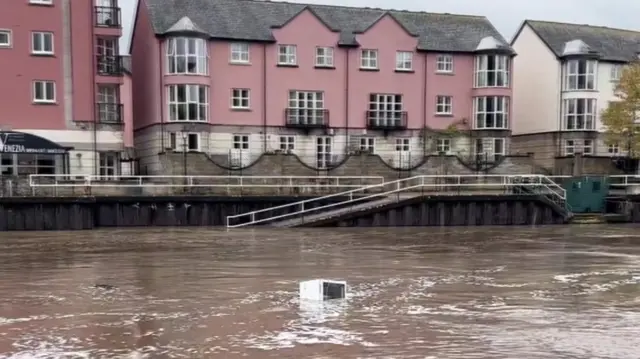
x=450 y=293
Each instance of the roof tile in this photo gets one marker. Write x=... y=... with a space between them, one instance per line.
x=611 y=44
x=253 y=20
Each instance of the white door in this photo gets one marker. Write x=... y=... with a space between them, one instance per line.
x=323 y=152
x=239 y=155
x=403 y=153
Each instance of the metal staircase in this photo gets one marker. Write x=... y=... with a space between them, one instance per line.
x=368 y=197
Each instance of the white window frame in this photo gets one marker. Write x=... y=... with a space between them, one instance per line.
x=193 y=97
x=43 y=37
x=572 y=120
x=580 y=75
x=287 y=143
x=367 y=144
x=444 y=105
x=108 y=52
x=240 y=141
x=41 y=2
x=443 y=145
x=369 y=59
x=444 y=64
x=404 y=61
x=9 y=34
x=109 y=103
x=287 y=55
x=588 y=147
x=569 y=147
x=106 y=170
x=496 y=76
x=324 y=56
x=45 y=90
x=324 y=152
x=403 y=144
x=187 y=138
x=183 y=51
x=386 y=109
x=613 y=149
x=481 y=143
x=240 y=99
x=616 y=72
x=306 y=107
x=496 y=118
x=239 y=53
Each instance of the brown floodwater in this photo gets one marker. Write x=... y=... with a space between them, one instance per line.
x=490 y=293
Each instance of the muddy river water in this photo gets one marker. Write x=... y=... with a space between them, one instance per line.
x=517 y=292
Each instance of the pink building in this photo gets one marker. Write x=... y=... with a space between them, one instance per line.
x=63 y=88
x=237 y=78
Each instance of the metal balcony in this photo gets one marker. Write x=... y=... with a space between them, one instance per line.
x=109 y=113
x=108 y=65
x=108 y=16
x=306 y=118
x=387 y=120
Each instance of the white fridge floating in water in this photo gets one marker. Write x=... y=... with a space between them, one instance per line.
x=323 y=289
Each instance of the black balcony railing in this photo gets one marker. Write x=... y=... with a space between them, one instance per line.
x=386 y=120
x=109 y=113
x=108 y=65
x=306 y=118
x=108 y=16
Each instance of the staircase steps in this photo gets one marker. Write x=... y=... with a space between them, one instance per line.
x=331 y=213
x=588 y=218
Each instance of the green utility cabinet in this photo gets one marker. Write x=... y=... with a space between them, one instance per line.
x=587 y=194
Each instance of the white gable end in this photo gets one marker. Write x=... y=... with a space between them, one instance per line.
x=185 y=24
x=575 y=47
x=489 y=43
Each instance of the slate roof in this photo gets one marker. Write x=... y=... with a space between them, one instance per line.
x=253 y=20
x=610 y=44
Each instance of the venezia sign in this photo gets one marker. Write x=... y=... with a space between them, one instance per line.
x=20 y=142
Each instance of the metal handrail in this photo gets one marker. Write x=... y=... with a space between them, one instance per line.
x=507 y=181
x=65 y=180
x=627 y=180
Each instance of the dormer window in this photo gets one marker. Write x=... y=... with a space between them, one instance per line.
x=580 y=75
x=491 y=70
x=187 y=56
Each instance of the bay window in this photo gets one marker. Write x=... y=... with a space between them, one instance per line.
x=187 y=56
x=580 y=74
x=491 y=71
x=188 y=103
x=579 y=114
x=491 y=113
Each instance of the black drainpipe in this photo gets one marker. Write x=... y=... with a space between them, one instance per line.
x=561 y=106
x=264 y=98
x=424 y=108
x=162 y=98
x=92 y=15
x=346 y=105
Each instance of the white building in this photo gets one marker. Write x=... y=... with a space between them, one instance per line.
x=564 y=76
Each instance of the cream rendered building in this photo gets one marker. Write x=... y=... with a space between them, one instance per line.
x=564 y=76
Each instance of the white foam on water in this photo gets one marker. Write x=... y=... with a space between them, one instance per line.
x=575 y=277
